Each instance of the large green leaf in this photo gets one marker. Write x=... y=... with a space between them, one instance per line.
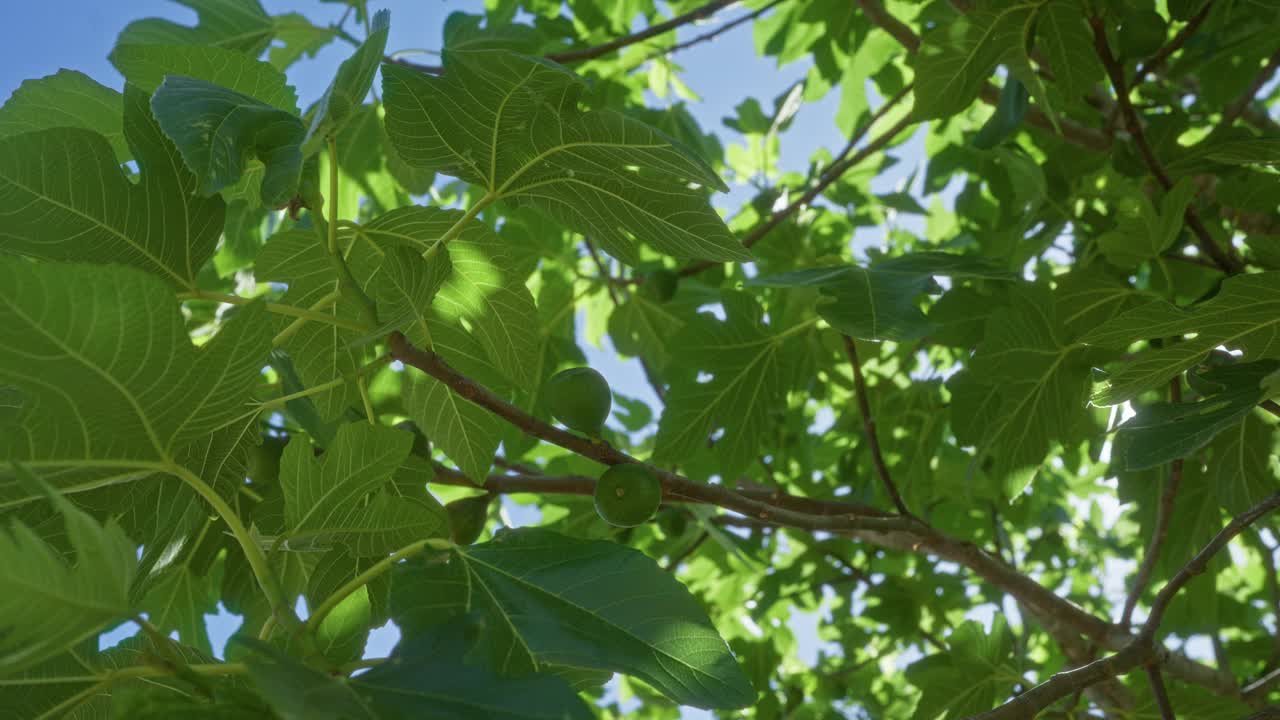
x=405 y=288
x=466 y=432
x=296 y=691
x=1024 y=390
x=240 y=25
x=350 y=86
x=485 y=286
x=1142 y=232
x=752 y=366
x=48 y=605
x=956 y=58
x=157 y=224
x=881 y=301
x=178 y=603
x=1244 y=315
x=325 y=498
x=1164 y=431
x=147 y=65
x=111 y=377
x=643 y=328
x=590 y=604
x=509 y=123
x=971 y=678
x=1064 y=36
x=66 y=99
x=296 y=37
x=429 y=677
x=219 y=131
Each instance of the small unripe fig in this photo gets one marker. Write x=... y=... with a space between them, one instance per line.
x=580 y=398
x=660 y=285
x=421 y=444
x=628 y=495
x=467 y=518
x=264 y=460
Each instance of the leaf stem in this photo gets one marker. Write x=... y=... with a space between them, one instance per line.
x=296 y=325
x=322 y=387
x=369 y=575
x=277 y=308
x=347 y=282
x=457 y=228
x=1161 y=530
x=107 y=680
x=253 y=553
x=364 y=396
x=869 y=426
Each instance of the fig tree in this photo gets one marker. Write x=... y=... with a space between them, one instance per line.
x=580 y=398
x=628 y=495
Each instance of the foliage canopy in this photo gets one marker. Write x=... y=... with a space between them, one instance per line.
x=997 y=423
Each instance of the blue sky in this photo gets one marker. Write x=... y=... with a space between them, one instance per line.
x=40 y=37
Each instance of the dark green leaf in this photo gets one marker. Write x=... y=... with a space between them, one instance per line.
x=593 y=604
x=220 y=131
x=156 y=224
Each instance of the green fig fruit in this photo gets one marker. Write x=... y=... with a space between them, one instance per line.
x=628 y=495
x=264 y=460
x=660 y=285
x=673 y=521
x=580 y=398
x=421 y=443
x=467 y=518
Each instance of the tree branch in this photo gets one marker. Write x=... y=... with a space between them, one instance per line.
x=1198 y=564
x=1179 y=40
x=1115 y=72
x=596 y=51
x=1141 y=650
x=845 y=160
x=880 y=17
x=708 y=36
x=1160 y=692
x=674 y=485
x=869 y=426
x=895 y=532
x=1237 y=108
x=1161 y=530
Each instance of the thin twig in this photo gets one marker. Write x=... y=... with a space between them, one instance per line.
x=1116 y=73
x=1200 y=562
x=596 y=51
x=1141 y=650
x=709 y=36
x=684 y=554
x=1156 y=61
x=649 y=375
x=843 y=163
x=875 y=12
x=1160 y=693
x=869 y=426
x=1270 y=406
x=1161 y=531
x=1237 y=108
x=1272 y=584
